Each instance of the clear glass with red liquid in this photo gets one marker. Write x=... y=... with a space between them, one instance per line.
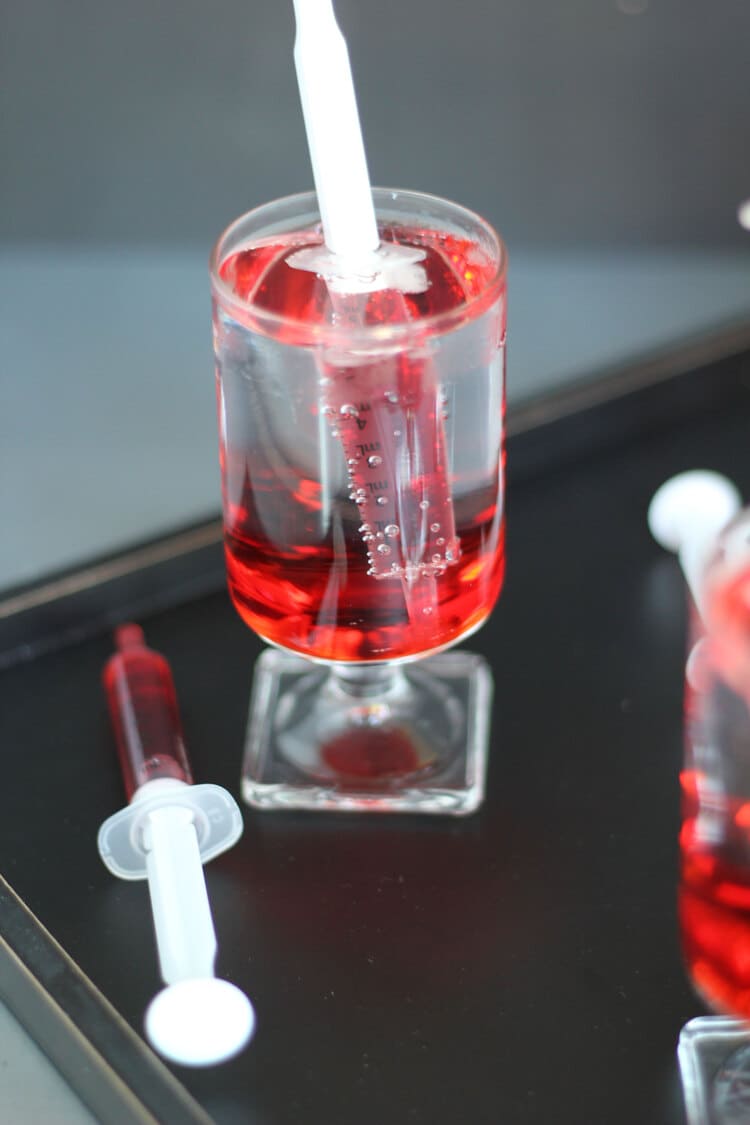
x=361 y=423
x=714 y=893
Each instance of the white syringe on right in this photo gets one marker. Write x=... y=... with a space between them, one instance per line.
x=687 y=514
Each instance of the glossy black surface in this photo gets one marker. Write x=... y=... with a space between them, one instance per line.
x=519 y=966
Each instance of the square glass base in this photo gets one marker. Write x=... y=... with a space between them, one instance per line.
x=714 y=1056
x=366 y=738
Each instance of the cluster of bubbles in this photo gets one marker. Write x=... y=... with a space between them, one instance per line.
x=378 y=546
x=411 y=572
x=393 y=399
x=391 y=531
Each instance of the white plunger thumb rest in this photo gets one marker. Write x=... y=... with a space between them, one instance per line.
x=687 y=514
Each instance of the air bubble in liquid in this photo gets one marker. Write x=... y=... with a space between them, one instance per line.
x=374 y=461
x=424 y=505
x=434 y=527
x=352 y=462
x=392 y=530
x=427 y=609
x=349 y=410
x=391 y=396
x=384 y=549
x=440 y=542
x=382 y=500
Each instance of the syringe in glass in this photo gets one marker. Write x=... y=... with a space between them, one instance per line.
x=165 y=834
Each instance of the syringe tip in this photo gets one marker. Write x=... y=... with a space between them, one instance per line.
x=200 y=1022
x=129 y=636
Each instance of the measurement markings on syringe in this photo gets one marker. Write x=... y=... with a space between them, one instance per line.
x=398 y=477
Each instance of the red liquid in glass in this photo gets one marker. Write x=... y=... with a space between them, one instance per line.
x=714 y=906
x=714 y=894
x=321 y=598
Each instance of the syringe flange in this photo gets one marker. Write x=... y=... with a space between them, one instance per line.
x=216 y=816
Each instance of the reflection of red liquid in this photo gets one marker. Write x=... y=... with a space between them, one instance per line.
x=371 y=755
x=714 y=896
x=311 y=592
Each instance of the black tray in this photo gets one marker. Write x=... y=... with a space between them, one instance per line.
x=517 y=966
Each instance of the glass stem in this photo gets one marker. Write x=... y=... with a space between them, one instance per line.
x=363 y=681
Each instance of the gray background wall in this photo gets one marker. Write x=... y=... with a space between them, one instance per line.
x=606 y=139
x=566 y=122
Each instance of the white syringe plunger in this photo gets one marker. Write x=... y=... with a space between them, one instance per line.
x=165 y=834
x=687 y=514
x=334 y=135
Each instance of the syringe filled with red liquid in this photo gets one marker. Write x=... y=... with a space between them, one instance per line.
x=143 y=709
x=165 y=834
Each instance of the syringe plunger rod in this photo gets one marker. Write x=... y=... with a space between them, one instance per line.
x=185 y=935
x=334 y=134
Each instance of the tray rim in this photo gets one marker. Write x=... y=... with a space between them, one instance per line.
x=569 y=421
x=114 y=1073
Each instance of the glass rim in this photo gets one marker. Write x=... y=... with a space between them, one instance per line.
x=270 y=323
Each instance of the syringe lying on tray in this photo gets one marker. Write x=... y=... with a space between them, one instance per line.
x=165 y=834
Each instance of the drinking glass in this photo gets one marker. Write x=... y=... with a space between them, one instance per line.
x=361 y=429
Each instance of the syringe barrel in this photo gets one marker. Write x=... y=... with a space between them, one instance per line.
x=143 y=708
x=726 y=605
